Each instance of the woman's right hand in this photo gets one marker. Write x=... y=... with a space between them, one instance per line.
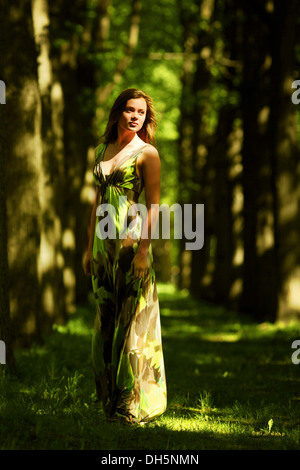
x=87 y=262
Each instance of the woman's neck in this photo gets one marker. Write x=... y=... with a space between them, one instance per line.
x=125 y=139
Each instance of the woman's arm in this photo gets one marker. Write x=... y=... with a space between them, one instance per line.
x=150 y=169
x=87 y=262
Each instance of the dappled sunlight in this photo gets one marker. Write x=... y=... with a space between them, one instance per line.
x=230 y=384
x=294 y=291
x=223 y=82
x=75 y=326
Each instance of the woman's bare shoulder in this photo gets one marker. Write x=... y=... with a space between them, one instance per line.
x=148 y=161
x=150 y=153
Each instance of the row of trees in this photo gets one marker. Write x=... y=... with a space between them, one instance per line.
x=220 y=73
x=63 y=66
x=245 y=168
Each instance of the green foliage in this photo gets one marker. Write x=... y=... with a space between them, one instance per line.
x=231 y=385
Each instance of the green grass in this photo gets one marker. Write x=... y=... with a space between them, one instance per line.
x=231 y=385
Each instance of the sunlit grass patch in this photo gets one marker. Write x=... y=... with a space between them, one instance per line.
x=231 y=385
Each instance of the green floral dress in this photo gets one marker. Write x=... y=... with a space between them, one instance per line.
x=127 y=354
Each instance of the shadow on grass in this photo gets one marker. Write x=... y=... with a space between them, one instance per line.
x=231 y=385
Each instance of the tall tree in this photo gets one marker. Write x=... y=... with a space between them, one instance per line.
x=196 y=165
x=226 y=158
x=285 y=155
x=73 y=74
x=246 y=172
x=190 y=20
x=258 y=198
x=5 y=324
x=23 y=170
x=270 y=156
x=52 y=176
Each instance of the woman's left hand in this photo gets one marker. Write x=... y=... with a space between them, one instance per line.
x=140 y=265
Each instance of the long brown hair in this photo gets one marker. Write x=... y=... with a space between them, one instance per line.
x=149 y=127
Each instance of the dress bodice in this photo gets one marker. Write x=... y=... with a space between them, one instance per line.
x=123 y=177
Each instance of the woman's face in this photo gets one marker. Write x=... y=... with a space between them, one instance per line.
x=134 y=115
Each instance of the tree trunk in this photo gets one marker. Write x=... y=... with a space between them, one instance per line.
x=73 y=75
x=51 y=192
x=23 y=170
x=188 y=17
x=259 y=276
x=196 y=171
x=285 y=160
x=226 y=156
x=5 y=322
x=226 y=160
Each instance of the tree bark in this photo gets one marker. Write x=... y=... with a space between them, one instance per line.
x=285 y=160
x=23 y=171
x=5 y=322
x=51 y=192
x=73 y=75
x=259 y=276
x=186 y=135
x=196 y=171
x=226 y=156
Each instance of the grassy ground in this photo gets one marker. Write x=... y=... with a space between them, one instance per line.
x=231 y=385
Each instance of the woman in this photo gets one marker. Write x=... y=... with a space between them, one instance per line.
x=127 y=354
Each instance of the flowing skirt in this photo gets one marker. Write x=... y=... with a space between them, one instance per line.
x=127 y=354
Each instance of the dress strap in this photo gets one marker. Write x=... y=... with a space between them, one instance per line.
x=99 y=151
